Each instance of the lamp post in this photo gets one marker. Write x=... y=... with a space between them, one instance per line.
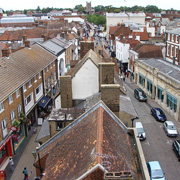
x=134 y=119
x=35 y=154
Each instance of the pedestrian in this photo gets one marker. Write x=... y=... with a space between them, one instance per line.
x=121 y=77
x=25 y=173
x=127 y=74
x=124 y=78
x=11 y=164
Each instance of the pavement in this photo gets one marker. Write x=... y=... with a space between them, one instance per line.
x=24 y=158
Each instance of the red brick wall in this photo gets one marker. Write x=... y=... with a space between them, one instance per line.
x=98 y=174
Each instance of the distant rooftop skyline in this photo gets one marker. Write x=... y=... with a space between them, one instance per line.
x=33 y=4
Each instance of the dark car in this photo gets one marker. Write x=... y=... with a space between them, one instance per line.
x=158 y=114
x=140 y=94
x=176 y=148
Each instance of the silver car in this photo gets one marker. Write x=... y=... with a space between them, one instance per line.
x=170 y=128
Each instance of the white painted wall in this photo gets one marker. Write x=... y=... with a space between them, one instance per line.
x=86 y=81
x=63 y=66
x=58 y=102
x=122 y=52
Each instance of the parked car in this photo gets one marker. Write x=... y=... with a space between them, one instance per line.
x=176 y=148
x=155 y=170
x=158 y=114
x=140 y=94
x=140 y=131
x=170 y=128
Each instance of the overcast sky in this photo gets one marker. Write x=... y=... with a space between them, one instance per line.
x=33 y=4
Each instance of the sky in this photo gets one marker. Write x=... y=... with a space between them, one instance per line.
x=33 y=4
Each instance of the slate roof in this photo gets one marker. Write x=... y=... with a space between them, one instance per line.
x=21 y=66
x=164 y=67
x=89 y=55
x=175 y=31
x=83 y=144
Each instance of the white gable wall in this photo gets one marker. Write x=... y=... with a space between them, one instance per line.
x=85 y=83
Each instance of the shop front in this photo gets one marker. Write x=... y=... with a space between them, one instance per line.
x=6 y=149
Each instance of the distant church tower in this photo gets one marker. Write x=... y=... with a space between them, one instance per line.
x=88 y=7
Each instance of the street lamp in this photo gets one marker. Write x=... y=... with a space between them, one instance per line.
x=35 y=154
x=134 y=119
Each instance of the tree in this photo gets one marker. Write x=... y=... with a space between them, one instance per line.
x=96 y=19
x=152 y=9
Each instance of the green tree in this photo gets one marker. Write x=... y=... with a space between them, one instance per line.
x=152 y=9
x=38 y=9
x=96 y=19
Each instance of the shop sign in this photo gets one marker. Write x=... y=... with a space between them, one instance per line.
x=13 y=128
x=5 y=142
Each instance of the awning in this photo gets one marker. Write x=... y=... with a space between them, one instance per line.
x=44 y=101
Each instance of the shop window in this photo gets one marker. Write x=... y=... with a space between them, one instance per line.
x=1 y=107
x=171 y=102
x=142 y=80
x=149 y=86
x=59 y=125
x=160 y=94
x=3 y=153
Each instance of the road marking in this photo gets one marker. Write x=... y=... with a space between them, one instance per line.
x=147 y=142
x=169 y=141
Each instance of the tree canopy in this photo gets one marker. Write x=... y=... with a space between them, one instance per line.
x=96 y=19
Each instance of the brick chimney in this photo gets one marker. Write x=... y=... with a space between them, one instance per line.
x=85 y=47
x=110 y=95
x=66 y=91
x=66 y=36
x=62 y=34
x=106 y=73
x=44 y=36
x=24 y=38
x=27 y=44
x=5 y=52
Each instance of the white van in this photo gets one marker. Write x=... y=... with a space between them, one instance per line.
x=140 y=130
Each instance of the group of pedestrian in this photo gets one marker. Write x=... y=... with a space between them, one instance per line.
x=25 y=172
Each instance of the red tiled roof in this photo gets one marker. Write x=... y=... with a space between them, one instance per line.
x=112 y=29
x=30 y=33
x=130 y=41
x=143 y=35
x=148 y=51
x=82 y=145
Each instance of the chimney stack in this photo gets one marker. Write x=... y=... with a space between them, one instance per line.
x=85 y=46
x=110 y=95
x=27 y=44
x=66 y=91
x=24 y=38
x=5 y=52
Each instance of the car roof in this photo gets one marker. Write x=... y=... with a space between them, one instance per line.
x=139 y=124
x=159 y=109
x=154 y=165
x=169 y=122
x=139 y=89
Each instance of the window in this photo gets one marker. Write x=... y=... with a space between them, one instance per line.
x=10 y=99
x=38 y=89
x=50 y=66
x=160 y=94
x=24 y=87
x=176 y=51
x=1 y=107
x=28 y=99
x=59 y=125
x=142 y=80
x=47 y=69
x=53 y=63
x=35 y=78
x=40 y=75
x=168 y=50
x=176 y=38
x=172 y=51
x=30 y=84
x=172 y=37
x=13 y=115
x=149 y=86
x=19 y=109
x=17 y=93
x=171 y=102
x=4 y=128
x=168 y=37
